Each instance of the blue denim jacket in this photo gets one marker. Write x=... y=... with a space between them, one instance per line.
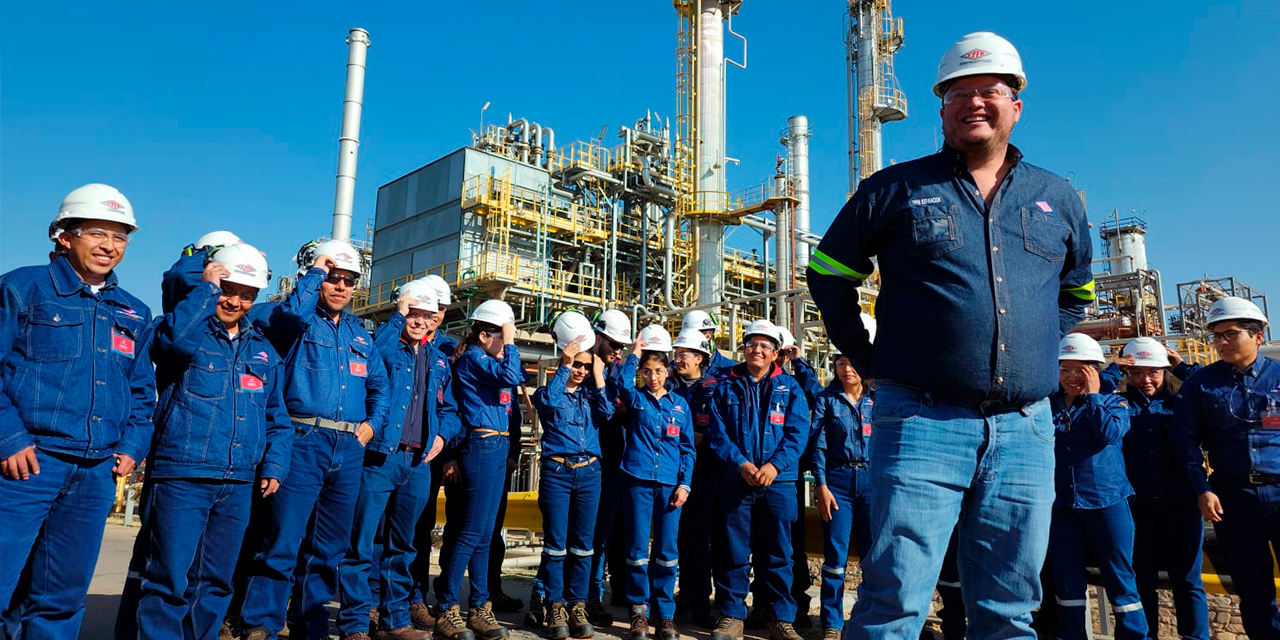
x=1089 y=471
x=804 y=373
x=485 y=388
x=439 y=409
x=183 y=277
x=613 y=431
x=571 y=421
x=982 y=295
x=1152 y=462
x=76 y=367
x=659 y=433
x=842 y=431
x=719 y=364
x=221 y=413
x=332 y=370
x=748 y=427
x=1220 y=409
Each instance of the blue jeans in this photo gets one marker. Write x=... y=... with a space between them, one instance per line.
x=568 y=499
x=52 y=523
x=1248 y=534
x=1107 y=534
x=396 y=485
x=952 y=611
x=307 y=529
x=195 y=531
x=651 y=572
x=420 y=568
x=932 y=462
x=1169 y=536
x=483 y=465
x=757 y=528
x=606 y=521
x=852 y=490
x=698 y=521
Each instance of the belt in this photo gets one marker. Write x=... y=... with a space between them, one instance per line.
x=489 y=433
x=574 y=465
x=413 y=448
x=325 y=423
x=1263 y=478
x=856 y=464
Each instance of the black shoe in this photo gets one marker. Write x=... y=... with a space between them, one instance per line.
x=536 y=614
x=598 y=615
x=503 y=603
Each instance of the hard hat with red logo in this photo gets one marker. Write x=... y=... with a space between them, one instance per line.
x=216 y=239
x=788 y=340
x=494 y=312
x=1147 y=352
x=344 y=255
x=1233 y=308
x=980 y=54
x=656 y=338
x=246 y=264
x=572 y=326
x=764 y=328
x=700 y=320
x=693 y=340
x=93 y=202
x=614 y=325
x=444 y=295
x=421 y=295
x=1078 y=346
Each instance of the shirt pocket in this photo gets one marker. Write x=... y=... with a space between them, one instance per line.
x=55 y=333
x=317 y=351
x=1044 y=234
x=207 y=375
x=935 y=232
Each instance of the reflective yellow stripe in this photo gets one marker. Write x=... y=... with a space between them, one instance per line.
x=1084 y=292
x=828 y=266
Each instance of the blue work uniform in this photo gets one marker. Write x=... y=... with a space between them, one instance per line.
x=395 y=481
x=758 y=422
x=569 y=485
x=1091 y=513
x=1234 y=416
x=78 y=385
x=842 y=431
x=221 y=425
x=699 y=540
x=608 y=520
x=657 y=460
x=335 y=379
x=719 y=364
x=485 y=387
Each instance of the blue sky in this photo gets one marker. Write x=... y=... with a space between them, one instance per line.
x=227 y=116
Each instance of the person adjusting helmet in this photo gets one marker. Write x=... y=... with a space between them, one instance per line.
x=614 y=325
x=694 y=340
x=981 y=54
x=788 y=340
x=494 y=312
x=1078 y=346
x=216 y=239
x=570 y=327
x=1147 y=352
x=1233 y=308
x=345 y=256
x=700 y=320
x=421 y=294
x=187 y=271
x=444 y=295
x=655 y=338
x=246 y=265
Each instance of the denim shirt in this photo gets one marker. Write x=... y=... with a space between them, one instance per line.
x=485 y=387
x=613 y=430
x=842 y=430
x=1153 y=465
x=76 y=370
x=981 y=294
x=438 y=411
x=221 y=413
x=571 y=421
x=332 y=370
x=1220 y=409
x=659 y=434
x=770 y=427
x=1089 y=471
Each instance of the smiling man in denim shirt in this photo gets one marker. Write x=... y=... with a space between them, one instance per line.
x=984 y=264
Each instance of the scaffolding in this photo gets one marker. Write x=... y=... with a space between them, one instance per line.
x=1196 y=297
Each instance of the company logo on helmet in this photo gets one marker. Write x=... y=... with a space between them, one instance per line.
x=974 y=54
x=113 y=205
x=343 y=256
x=246 y=268
x=1216 y=311
x=1069 y=348
x=1144 y=354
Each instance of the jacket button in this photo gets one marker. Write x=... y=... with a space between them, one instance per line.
x=97 y=419
x=99 y=382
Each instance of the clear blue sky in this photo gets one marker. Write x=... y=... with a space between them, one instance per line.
x=227 y=115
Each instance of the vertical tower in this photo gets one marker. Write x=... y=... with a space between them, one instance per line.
x=349 y=140
x=872 y=36
x=796 y=140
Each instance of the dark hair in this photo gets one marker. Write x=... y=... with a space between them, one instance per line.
x=1254 y=327
x=660 y=356
x=473 y=338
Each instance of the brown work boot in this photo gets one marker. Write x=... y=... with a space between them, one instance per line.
x=779 y=630
x=374 y=616
x=727 y=629
x=667 y=630
x=831 y=634
x=480 y=620
x=557 y=621
x=404 y=633
x=449 y=626
x=359 y=635
x=580 y=623
x=421 y=618
x=639 y=623
x=257 y=633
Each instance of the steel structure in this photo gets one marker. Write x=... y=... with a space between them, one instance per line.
x=872 y=37
x=1195 y=298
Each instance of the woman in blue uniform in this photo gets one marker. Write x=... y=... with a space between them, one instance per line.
x=1091 y=510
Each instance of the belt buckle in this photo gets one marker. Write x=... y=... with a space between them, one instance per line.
x=1256 y=478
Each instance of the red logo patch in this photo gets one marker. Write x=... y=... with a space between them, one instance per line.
x=777 y=418
x=504 y=397
x=974 y=54
x=112 y=205
x=246 y=268
x=359 y=369
x=121 y=344
x=250 y=383
x=673 y=430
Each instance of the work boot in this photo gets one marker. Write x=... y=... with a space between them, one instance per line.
x=779 y=630
x=404 y=633
x=639 y=623
x=421 y=618
x=480 y=620
x=226 y=632
x=758 y=617
x=579 y=623
x=667 y=630
x=257 y=633
x=727 y=629
x=557 y=621
x=359 y=635
x=536 y=614
x=503 y=603
x=598 y=615
x=831 y=634
x=449 y=626
x=701 y=615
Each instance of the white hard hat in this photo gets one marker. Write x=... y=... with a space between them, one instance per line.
x=980 y=54
x=571 y=326
x=656 y=337
x=444 y=295
x=246 y=264
x=870 y=323
x=700 y=320
x=494 y=312
x=95 y=202
x=614 y=325
x=1147 y=352
x=216 y=239
x=764 y=328
x=694 y=340
x=421 y=294
x=1232 y=308
x=342 y=253
x=788 y=340
x=1078 y=346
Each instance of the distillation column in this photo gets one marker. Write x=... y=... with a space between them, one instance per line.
x=872 y=36
x=349 y=140
x=797 y=143
x=710 y=195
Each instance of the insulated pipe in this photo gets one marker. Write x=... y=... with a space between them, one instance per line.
x=798 y=134
x=550 y=135
x=535 y=142
x=710 y=193
x=782 y=250
x=349 y=140
x=668 y=249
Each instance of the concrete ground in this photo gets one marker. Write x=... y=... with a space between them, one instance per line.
x=117 y=546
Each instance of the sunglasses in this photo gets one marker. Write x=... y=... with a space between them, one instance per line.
x=335 y=278
x=580 y=365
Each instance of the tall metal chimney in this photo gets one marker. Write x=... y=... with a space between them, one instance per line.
x=796 y=140
x=349 y=141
